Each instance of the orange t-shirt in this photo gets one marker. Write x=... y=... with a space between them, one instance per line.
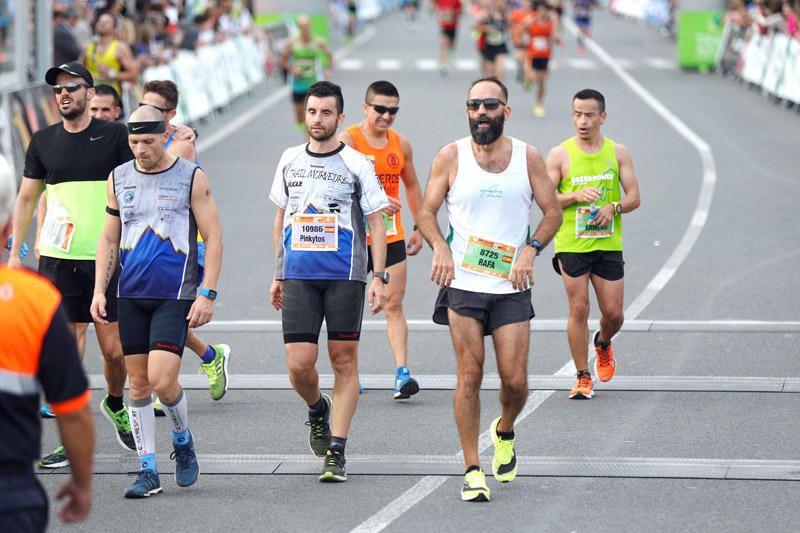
x=389 y=163
x=517 y=33
x=541 y=34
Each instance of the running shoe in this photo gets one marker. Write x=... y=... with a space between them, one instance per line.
x=122 y=425
x=217 y=371
x=186 y=468
x=319 y=437
x=158 y=409
x=333 y=467
x=147 y=483
x=538 y=111
x=46 y=411
x=57 y=459
x=504 y=464
x=583 y=387
x=474 y=488
x=404 y=385
x=604 y=364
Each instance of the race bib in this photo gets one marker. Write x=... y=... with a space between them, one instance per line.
x=58 y=229
x=390 y=223
x=315 y=233
x=541 y=43
x=585 y=228
x=495 y=38
x=488 y=258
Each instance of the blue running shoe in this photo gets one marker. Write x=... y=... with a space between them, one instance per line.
x=147 y=483
x=186 y=468
x=404 y=385
x=46 y=411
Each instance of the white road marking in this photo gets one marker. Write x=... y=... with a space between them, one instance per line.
x=280 y=95
x=625 y=63
x=427 y=64
x=389 y=64
x=581 y=63
x=350 y=64
x=659 y=63
x=427 y=485
x=466 y=64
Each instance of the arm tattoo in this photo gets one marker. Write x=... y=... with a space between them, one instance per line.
x=109 y=269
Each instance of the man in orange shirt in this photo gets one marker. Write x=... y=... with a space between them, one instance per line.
x=542 y=30
x=38 y=353
x=391 y=154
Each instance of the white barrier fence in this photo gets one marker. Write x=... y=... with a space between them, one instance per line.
x=212 y=77
x=771 y=62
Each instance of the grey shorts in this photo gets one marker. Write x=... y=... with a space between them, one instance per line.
x=491 y=310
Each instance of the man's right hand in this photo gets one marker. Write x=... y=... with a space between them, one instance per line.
x=78 y=504
x=443 y=268
x=587 y=195
x=98 y=308
x=276 y=294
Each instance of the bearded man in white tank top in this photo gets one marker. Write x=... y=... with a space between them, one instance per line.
x=485 y=267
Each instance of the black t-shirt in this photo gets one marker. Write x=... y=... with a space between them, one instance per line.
x=57 y=156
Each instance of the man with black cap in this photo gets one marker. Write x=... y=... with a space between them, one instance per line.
x=71 y=162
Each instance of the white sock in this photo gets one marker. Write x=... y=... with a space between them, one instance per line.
x=143 y=427
x=178 y=416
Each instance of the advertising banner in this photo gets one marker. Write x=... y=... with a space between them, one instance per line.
x=699 y=38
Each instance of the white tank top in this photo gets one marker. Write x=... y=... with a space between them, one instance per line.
x=489 y=219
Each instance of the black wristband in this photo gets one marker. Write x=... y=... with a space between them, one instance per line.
x=112 y=212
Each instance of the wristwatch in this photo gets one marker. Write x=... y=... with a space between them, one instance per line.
x=617 y=208
x=536 y=244
x=383 y=276
x=211 y=294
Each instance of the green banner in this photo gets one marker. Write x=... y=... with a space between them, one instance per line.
x=699 y=38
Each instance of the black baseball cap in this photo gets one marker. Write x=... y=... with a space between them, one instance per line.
x=74 y=68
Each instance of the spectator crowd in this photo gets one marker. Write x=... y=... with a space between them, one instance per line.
x=766 y=16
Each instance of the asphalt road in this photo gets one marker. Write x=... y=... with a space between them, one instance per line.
x=673 y=456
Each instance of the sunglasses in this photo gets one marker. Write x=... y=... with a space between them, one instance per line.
x=381 y=109
x=70 y=86
x=156 y=107
x=490 y=104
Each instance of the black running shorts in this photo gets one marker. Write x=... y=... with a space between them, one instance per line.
x=450 y=33
x=605 y=264
x=395 y=253
x=539 y=63
x=147 y=325
x=491 y=310
x=307 y=302
x=74 y=279
x=299 y=98
x=491 y=51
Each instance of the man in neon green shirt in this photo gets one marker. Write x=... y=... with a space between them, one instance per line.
x=587 y=171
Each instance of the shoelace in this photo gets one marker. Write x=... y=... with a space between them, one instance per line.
x=317 y=426
x=585 y=381
x=181 y=455
x=334 y=459
x=603 y=355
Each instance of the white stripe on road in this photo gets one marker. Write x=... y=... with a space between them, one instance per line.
x=426 y=486
x=659 y=63
x=581 y=63
x=350 y=64
x=427 y=64
x=466 y=64
x=252 y=113
x=389 y=64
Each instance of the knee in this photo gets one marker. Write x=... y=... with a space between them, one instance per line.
x=579 y=309
x=515 y=388
x=299 y=366
x=615 y=316
x=139 y=385
x=393 y=306
x=470 y=377
x=166 y=390
x=344 y=363
x=113 y=354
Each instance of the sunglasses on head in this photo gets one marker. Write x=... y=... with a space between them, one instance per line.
x=70 y=86
x=489 y=103
x=381 y=109
x=156 y=107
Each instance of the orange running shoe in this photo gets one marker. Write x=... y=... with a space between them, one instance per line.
x=583 y=387
x=604 y=364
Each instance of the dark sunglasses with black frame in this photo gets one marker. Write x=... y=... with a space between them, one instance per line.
x=159 y=108
x=489 y=103
x=381 y=109
x=70 y=86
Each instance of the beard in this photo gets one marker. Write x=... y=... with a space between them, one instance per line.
x=490 y=134
x=321 y=136
x=78 y=110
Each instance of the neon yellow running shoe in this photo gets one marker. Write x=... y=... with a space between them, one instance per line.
x=217 y=371
x=504 y=464
x=474 y=488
